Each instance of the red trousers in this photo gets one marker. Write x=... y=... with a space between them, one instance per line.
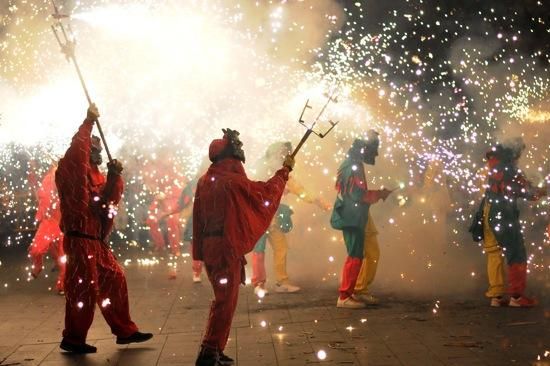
x=174 y=233
x=350 y=272
x=48 y=237
x=517 y=279
x=225 y=275
x=197 y=267
x=94 y=276
x=258 y=269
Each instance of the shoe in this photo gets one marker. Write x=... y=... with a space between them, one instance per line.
x=286 y=288
x=368 y=299
x=522 y=302
x=207 y=358
x=260 y=291
x=137 y=337
x=350 y=303
x=61 y=293
x=197 y=278
x=498 y=301
x=77 y=348
x=225 y=360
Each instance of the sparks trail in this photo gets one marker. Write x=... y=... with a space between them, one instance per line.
x=68 y=45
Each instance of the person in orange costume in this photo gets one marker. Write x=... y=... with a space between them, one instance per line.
x=48 y=235
x=88 y=204
x=230 y=214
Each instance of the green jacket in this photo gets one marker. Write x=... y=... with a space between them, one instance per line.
x=350 y=209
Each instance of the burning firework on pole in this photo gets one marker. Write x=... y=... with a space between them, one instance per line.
x=68 y=45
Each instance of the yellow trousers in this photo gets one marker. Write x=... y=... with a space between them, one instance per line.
x=495 y=259
x=371 y=255
x=279 y=244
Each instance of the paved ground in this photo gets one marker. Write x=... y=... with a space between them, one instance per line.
x=283 y=330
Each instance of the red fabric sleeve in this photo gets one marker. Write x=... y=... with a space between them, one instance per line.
x=524 y=188
x=79 y=151
x=112 y=192
x=372 y=196
x=252 y=206
x=198 y=227
x=73 y=167
x=71 y=178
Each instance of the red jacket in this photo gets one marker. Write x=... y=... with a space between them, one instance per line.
x=229 y=205
x=88 y=200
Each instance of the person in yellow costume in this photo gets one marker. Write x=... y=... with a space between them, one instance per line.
x=280 y=225
x=369 y=265
x=496 y=274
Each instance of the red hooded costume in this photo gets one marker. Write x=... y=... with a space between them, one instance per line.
x=164 y=206
x=48 y=235
x=93 y=275
x=230 y=214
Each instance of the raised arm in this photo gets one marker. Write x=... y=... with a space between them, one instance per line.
x=112 y=192
x=71 y=176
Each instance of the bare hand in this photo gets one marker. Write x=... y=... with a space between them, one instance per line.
x=384 y=193
x=289 y=162
x=93 y=112
x=115 y=167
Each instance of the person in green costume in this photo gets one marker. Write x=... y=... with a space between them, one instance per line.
x=351 y=215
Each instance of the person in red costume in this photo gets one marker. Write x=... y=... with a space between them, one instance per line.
x=230 y=214
x=88 y=205
x=161 y=209
x=48 y=235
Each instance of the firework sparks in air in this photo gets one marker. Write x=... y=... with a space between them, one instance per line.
x=167 y=76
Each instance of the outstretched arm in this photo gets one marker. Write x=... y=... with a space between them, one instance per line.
x=72 y=171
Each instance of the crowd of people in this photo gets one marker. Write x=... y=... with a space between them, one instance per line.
x=225 y=215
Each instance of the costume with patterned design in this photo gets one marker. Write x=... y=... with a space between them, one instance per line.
x=351 y=215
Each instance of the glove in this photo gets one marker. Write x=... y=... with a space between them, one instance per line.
x=115 y=167
x=93 y=113
x=289 y=163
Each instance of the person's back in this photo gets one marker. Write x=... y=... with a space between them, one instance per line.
x=87 y=202
x=230 y=213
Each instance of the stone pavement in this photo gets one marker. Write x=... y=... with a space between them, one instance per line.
x=285 y=330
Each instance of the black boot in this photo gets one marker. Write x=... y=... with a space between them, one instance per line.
x=207 y=357
x=77 y=348
x=225 y=360
x=137 y=337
